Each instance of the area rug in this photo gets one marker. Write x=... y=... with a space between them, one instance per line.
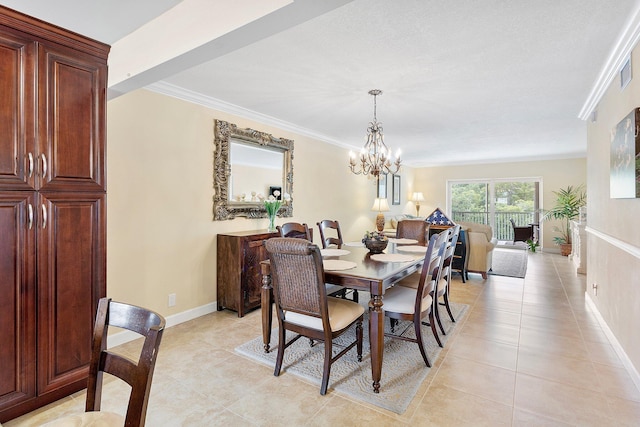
x=403 y=369
x=509 y=262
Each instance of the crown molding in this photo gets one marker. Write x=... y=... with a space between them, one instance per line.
x=178 y=92
x=621 y=51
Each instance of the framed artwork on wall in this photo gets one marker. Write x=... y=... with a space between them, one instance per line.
x=395 y=193
x=382 y=186
x=624 y=175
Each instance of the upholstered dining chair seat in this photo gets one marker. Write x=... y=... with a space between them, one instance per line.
x=410 y=281
x=401 y=299
x=341 y=314
x=89 y=419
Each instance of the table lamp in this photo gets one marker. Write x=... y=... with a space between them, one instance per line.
x=417 y=197
x=380 y=205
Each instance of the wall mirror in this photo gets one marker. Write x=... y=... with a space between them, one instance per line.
x=249 y=165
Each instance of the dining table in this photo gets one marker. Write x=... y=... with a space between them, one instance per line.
x=368 y=272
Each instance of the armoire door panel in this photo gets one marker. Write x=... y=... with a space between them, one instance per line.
x=17 y=304
x=71 y=279
x=16 y=127
x=71 y=104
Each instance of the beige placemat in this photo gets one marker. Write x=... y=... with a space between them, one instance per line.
x=392 y=257
x=333 y=252
x=338 y=264
x=403 y=241
x=413 y=249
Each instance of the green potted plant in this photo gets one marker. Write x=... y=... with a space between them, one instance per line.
x=567 y=208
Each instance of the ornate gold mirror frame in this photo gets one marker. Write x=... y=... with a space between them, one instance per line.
x=223 y=207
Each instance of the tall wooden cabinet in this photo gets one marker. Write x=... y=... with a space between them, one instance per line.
x=239 y=278
x=52 y=209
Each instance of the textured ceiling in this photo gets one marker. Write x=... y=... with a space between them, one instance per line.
x=463 y=82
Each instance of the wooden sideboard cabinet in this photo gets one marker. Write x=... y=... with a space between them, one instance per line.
x=239 y=280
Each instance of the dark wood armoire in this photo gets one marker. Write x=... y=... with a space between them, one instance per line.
x=52 y=208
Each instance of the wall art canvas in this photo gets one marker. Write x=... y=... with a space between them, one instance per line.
x=624 y=177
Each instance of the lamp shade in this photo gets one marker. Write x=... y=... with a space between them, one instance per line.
x=417 y=197
x=380 y=205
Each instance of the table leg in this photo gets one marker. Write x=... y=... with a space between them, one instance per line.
x=267 y=310
x=376 y=339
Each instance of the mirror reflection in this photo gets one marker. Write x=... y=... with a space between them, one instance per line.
x=255 y=172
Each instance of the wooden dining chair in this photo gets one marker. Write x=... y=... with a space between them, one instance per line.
x=416 y=229
x=330 y=238
x=444 y=282
x=447 y=252
x=302 y=305
x=334 y=238
x=409 y=304
x=137 y=374
x=294 y=229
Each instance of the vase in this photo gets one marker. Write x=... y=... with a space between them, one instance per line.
x=272 y=223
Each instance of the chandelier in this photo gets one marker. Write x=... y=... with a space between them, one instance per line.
x=375 y=158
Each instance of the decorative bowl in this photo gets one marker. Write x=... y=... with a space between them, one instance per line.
x=376 y=246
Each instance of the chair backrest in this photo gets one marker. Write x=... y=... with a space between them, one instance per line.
x=450 y=249
x=513 y=223
x=325 y=238
x=137 y=374
x=295 y=230
x=297 y=277
x=413 y=229
x=432 y=267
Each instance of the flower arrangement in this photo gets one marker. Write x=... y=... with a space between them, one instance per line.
x=272 y=206
x=374 y=235
x=375 y=241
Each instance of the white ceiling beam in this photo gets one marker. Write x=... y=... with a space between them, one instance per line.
x=196 y=31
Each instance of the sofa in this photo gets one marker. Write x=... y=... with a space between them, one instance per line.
x=481 y=246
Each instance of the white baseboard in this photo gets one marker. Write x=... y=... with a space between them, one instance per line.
x=174 y=319
x=633 y=372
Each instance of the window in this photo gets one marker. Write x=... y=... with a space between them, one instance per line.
x=494 y=202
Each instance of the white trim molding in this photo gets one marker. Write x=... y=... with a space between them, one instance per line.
x=630 y=249
x=633 y=373
x=611 y=69
x=178 y=92
x=175 y=319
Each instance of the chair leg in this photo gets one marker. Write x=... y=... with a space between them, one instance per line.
x=418 y=330
x=359 y=339
x=355 y=295
x=437 y=313
x=281 y=346
x=448 y=307
x=433 y=328
x=393 y=323
x=328 y=354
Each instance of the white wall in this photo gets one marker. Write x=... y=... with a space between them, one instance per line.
x=613 y=234
x=554 y=174
x=161 y=238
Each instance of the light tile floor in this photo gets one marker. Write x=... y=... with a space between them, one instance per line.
x=529 y=353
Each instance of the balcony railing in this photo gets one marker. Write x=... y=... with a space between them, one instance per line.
x=502 y=229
